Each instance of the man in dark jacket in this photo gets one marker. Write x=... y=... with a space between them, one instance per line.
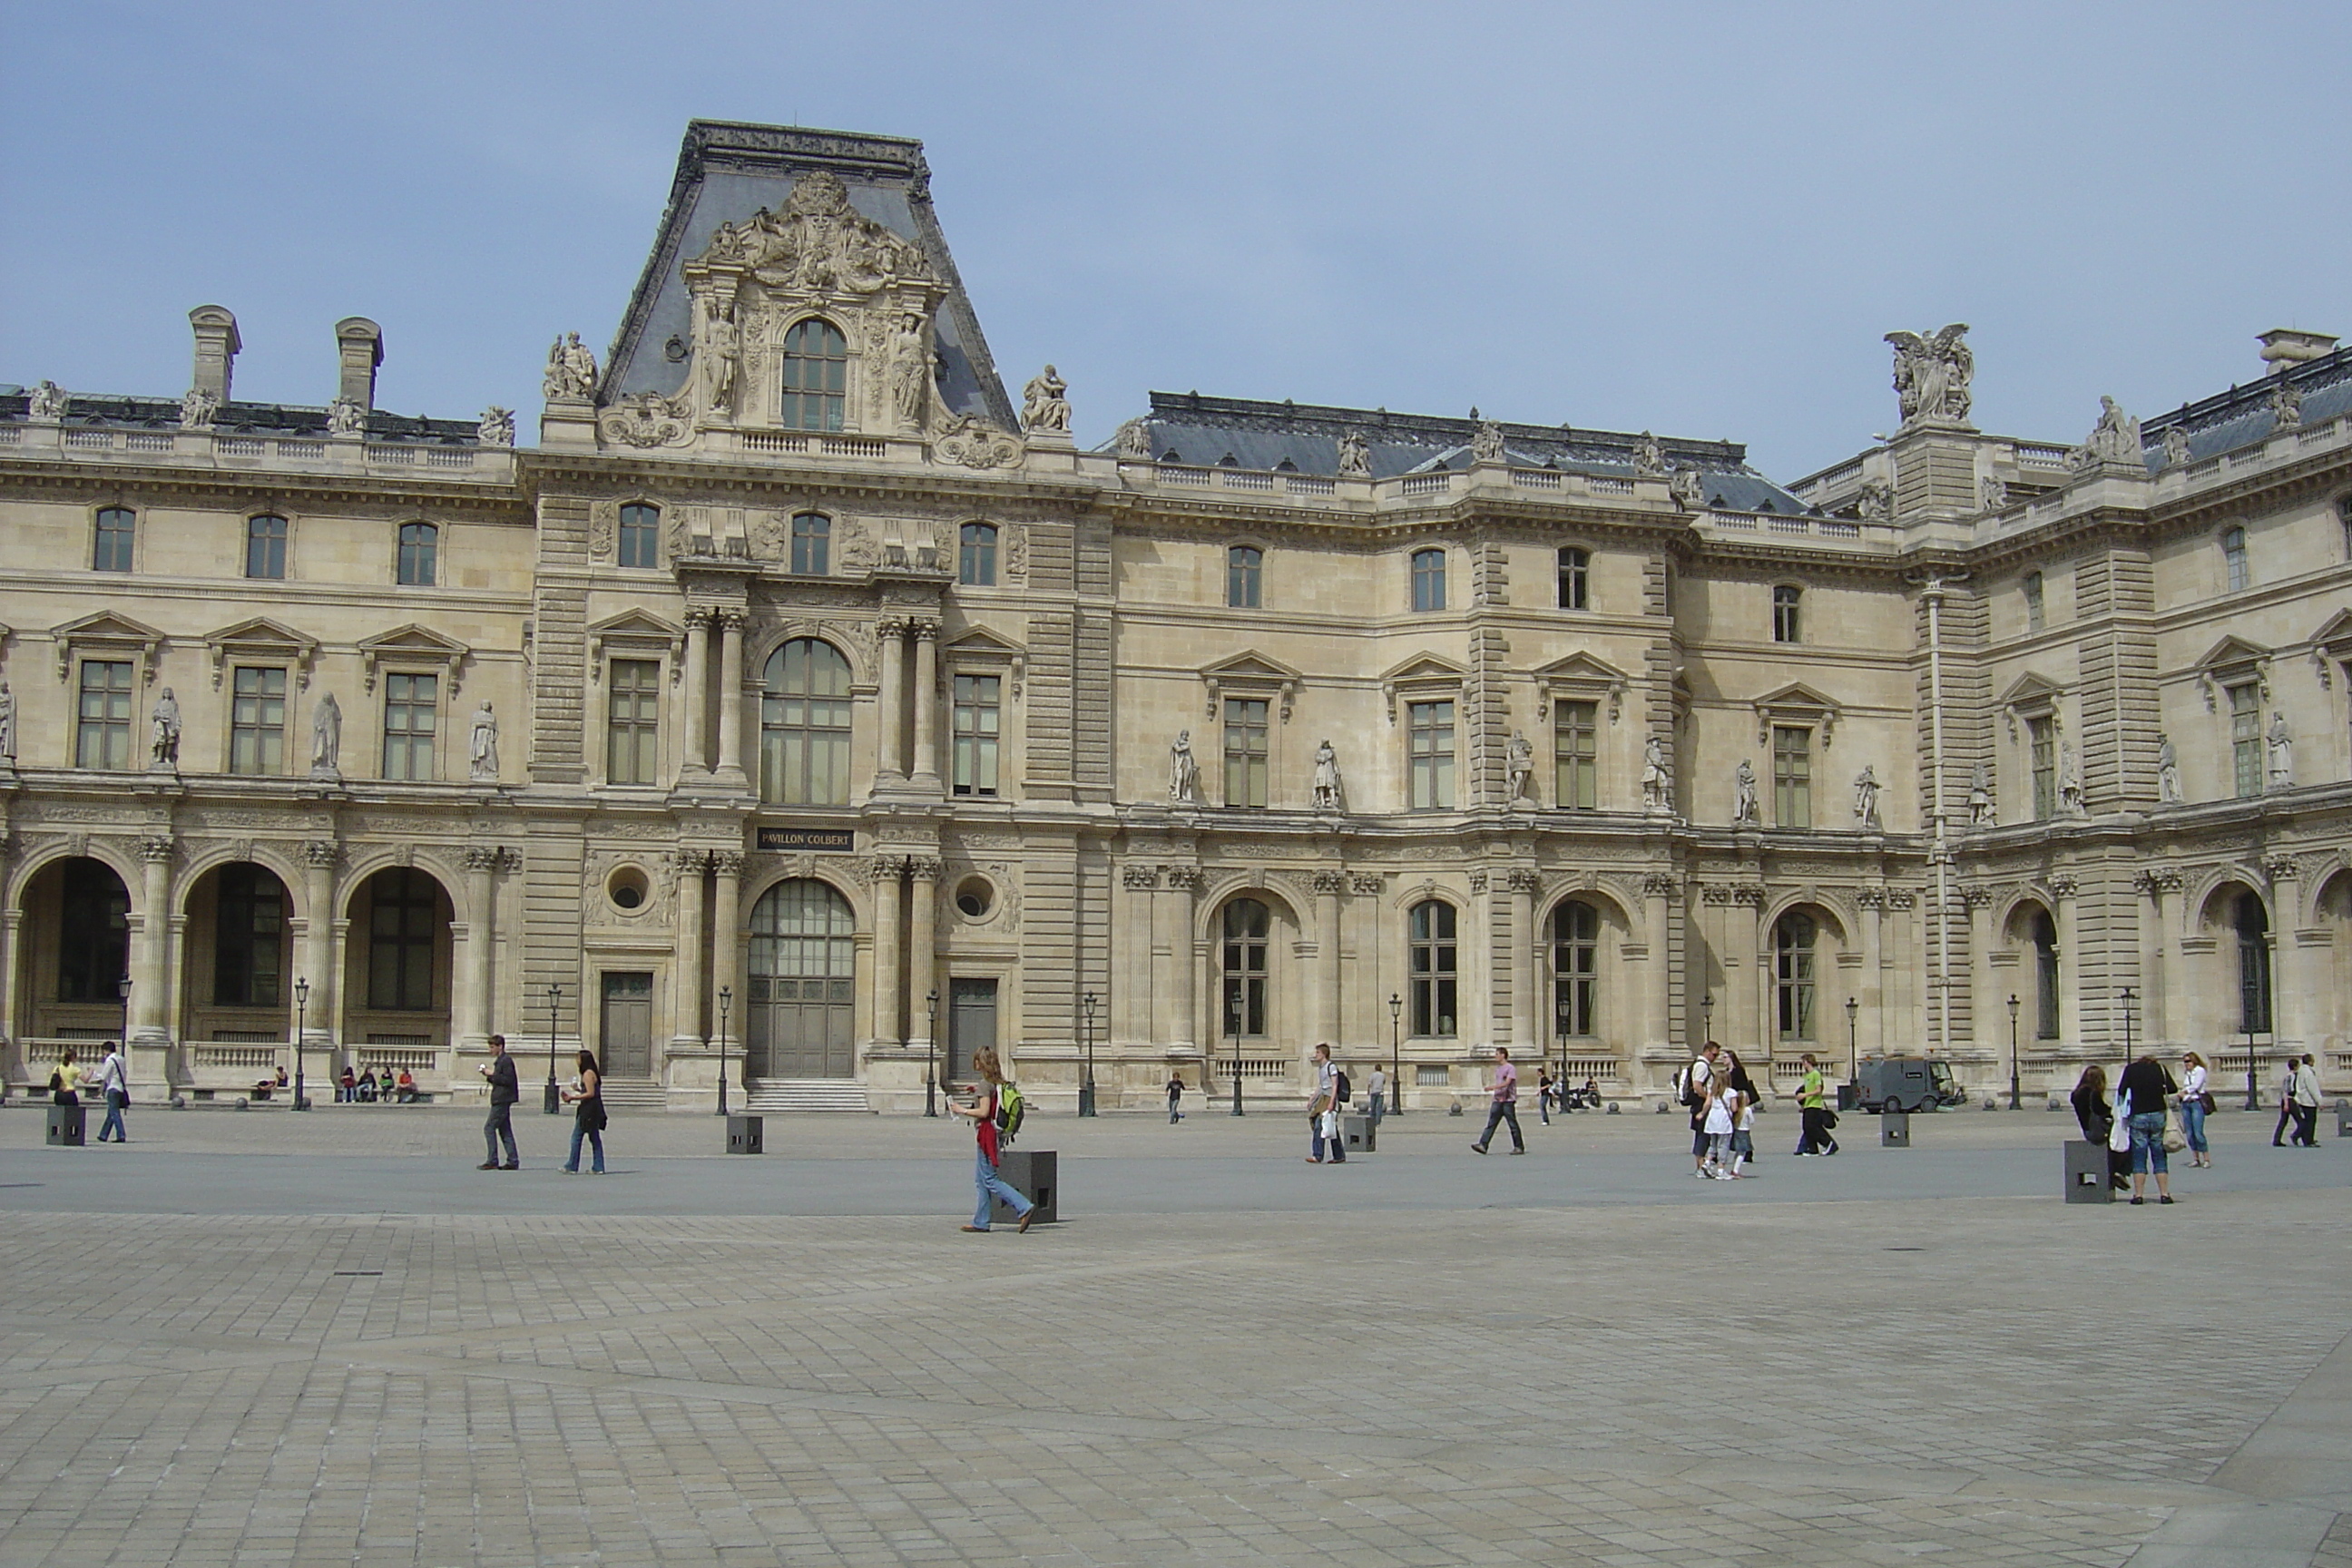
x=504 y=1091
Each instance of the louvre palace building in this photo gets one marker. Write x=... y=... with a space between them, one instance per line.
x=804 y=706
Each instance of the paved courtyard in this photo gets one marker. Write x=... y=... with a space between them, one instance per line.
x=259 y=1338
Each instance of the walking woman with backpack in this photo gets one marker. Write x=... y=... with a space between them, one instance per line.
x=983 y=1110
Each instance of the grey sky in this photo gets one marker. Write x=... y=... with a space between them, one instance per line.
x=1698 y=219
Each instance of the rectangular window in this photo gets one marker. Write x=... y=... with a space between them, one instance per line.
x=249 y=931
x=1575 y=747
x=633 y=723
x=1246 y=750
x=2041 y=738
x=811 y=544
x=1428 y=580
x=265 y=547
x=257 y=722
x=401 y=913
x=979 y=720
x=2033 y=600
x=976 y=555
x=640 y=536
x=1244 y=566
x=1430 y=731
x=411 y=716
x=420 y=550
x=2246 y=737
x=111 y=551
x=1785 y=625
x=1793 y=776
x=1575 y=571
x=102 y=730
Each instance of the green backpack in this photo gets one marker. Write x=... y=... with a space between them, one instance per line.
x=1010 y=1109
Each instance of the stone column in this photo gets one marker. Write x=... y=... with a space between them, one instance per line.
x=151 y=947
x=1752 y=1020
x=727 y=938
x=1658 y=895
x=1871 y=990
x=1987 y=1004
x=891 y=759
x=1324 y=1015
x=317 y=962
x=1531 y=1027
x=731 y=695
x=927 y=705
x=1473 y=958
x=12 y=959
x=2070 y=973
x=2155 y=1004
x=1138 y=996
x=2289 y=1024
x=1184 y=987
x=922 y=939
x=686 y=981
x=890 y=974
x=480 y=967
x=695 y=755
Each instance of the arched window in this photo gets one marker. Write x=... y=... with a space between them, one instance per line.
x=1429 y=579
x=2234 y=558
x=403 y=907
x=1244 y=562
x=1430 y=937
x=2045 y=976
x=93 y=932
x=2033 y=600
x=815 y=379
x=804 y=725
x=976 y=555
x=1243 y=968
x=420 y=551
x=1575 y=968
x=111 y=548
x=2253 y=923
x=1785 y=625
x=248 y=937
x=1793 y=975
x=801 y=979
x=264 y=546
x=640 y=535
x=1575 y=569
x=811 y=544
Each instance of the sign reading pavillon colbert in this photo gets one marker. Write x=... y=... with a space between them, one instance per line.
x=823 y=840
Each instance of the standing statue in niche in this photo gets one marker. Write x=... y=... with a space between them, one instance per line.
x=326 y=737
x=1865 y=798
x=2167 y=772
x=7 y=725
x=484 y=749
x=1355 y=457
x=1979 y=798
x=2070 y=784
x=1657 y=782
x=1183 y=772
x=1326 y=778
x=163 y=741
x=1746 y=806
x=1046 y=403
x=910 y=373
x=1519 y=764
x=1932 y=373
x=2282 y=754
x=721 y=348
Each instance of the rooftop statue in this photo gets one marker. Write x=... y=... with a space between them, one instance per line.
x=1134 y=439
x=197 y=408
x=48 y=401
x=1486 y=442
x=1932 y=373
x=497 y=428
x=1046 y=403
x=571 y=370
x=2113 y=439
x=1355 y=457
x=2176 y=447
x=1649 y=458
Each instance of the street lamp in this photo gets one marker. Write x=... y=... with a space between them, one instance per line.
x=122 y=990
x=301 y=1017
x=1707 y=1018
x=726 y=1000
x=2128 y=996
x=1396 y=1052
x=931 y=1059
x=1853 y=1041
x=1560 y=1084
x=553 y=1097
x=1234 y=1044
x=1087 y=1091
x=2246 y=1012
x=2013 y=1098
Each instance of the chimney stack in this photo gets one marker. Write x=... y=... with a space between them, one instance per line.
x=217 y=346
x=2283 y=348
x=361 y=343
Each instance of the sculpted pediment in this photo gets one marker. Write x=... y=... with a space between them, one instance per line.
x=2231 y=662
x=634 y=632
x=412 y=646
x=1427 y=674
x=2330 y=645
x=109 y=632
x=980 y=649
x=261 y=637
x=1579 y=677
x=2031 y=689
x=1253 y=673
x=1795 y=703
x=2231 y=652
x=818 y=244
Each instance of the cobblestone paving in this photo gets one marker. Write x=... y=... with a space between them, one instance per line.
x=1761 y=1384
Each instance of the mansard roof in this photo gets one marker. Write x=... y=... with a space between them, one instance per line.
x=305 y=420
x=729 y=172
x=2248 y=412
x=1236 y=432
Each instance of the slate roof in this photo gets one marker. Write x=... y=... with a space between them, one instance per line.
x=240 y=418
x=726 y=173
x=2242 y=416
x=1232 y=431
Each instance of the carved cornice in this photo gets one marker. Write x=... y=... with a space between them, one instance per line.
x=1139 y=878
x=726 y=862
x=1366 y=882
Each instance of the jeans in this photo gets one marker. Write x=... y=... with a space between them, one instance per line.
x=595 y=1137
x=1543 y=1107
x=2192 y=1122
x=990 y=1185
x=500 y=1125
x=1502 y=1110
x=1175 y=1110
x=2307 y=1126
x=1323 y=1135
x=115 y=1101
x=2147 y=1142
x=1379 y=1108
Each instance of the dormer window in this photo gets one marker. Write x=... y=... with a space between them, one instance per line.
x=815 y=378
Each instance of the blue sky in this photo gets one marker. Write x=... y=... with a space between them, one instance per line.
x=1698 y=219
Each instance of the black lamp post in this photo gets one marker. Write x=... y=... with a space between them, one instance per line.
x=726 y=1000
x=1560 y=1084
x=931 y=1059
x=122 y=990
x=1705 y=1017
x=1396 y=1052
x=2246 y=1014
x=2128 y=996
x=1234 y=1044
x=2014 y=1103
x=1086 y=1006
x=301 y=1017
x=1853 y=1041
x=553 y=1098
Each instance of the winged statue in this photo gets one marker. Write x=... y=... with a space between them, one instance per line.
x=1932 y=373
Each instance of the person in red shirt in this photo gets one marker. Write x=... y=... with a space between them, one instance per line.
x=983 y=1111
x=1504 y=1106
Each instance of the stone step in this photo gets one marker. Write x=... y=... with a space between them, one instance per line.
x=778 y=1097
x=634 y=1094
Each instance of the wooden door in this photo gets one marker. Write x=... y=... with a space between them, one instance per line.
x=628 y=1028
x=972 y=1024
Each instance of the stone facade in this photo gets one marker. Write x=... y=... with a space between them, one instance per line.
x=799 y=700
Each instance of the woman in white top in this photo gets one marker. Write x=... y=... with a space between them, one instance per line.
x=2192 y=1109
x=1723 y=1106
